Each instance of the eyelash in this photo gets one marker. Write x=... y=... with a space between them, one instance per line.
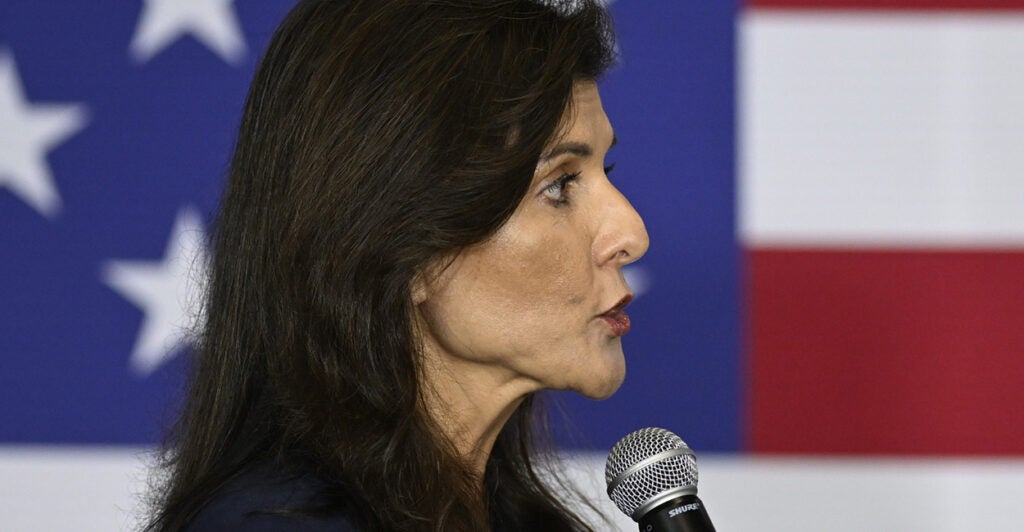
x=558 y=186
x=556 y=190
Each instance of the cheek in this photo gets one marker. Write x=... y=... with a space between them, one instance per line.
x=542 y=276
x=519 y=294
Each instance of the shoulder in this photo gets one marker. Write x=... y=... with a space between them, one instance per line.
x=266 y=499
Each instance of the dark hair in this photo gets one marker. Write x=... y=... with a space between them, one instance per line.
x=378 y=137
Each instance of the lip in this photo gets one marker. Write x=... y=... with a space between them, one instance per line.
x=616 y=317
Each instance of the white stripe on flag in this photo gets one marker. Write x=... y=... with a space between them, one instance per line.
x=98 y=488
x=882 y=129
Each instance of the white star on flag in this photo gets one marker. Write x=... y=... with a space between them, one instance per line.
x=637 y=278
x=169 y=292
x=27 y=133
x=212 y=22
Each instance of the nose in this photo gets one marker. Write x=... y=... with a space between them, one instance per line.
x=621 y=237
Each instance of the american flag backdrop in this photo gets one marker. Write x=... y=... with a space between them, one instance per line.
x=831 y=312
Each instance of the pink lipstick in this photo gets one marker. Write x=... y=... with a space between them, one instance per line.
x=616 y=318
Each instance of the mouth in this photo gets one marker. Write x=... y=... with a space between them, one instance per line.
x=616 y=317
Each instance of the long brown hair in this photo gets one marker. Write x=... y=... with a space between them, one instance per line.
x=378 y=136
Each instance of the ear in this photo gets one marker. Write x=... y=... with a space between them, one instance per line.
x=419 y=289
x=425 y=281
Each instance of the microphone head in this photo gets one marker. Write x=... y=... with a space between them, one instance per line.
x=648 y=467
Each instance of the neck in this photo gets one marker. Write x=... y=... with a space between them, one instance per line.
x=471 y=404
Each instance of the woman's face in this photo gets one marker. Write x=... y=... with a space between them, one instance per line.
x=531 y=304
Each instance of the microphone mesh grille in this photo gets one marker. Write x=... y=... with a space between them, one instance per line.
x=644 y=484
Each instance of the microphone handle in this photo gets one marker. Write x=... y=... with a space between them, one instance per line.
x=685 y=513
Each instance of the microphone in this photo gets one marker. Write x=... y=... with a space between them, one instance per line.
x=652 y=477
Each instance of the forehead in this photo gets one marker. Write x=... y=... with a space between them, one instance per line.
x=585 y=129
x=585 y=119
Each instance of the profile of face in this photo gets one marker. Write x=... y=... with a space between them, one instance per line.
x=529 y=307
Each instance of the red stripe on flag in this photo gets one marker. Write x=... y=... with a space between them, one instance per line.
x=939 y=5
x=887 y=352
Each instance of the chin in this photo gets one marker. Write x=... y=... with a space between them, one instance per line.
x=608 y=383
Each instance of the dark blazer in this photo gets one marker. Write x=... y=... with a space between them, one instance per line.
x=272 y=498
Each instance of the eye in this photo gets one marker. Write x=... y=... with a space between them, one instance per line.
x=556 y=192
x=608 y=169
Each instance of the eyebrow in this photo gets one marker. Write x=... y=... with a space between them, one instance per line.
x=580 y=149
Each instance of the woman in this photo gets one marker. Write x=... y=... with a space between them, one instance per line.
x=418 y=234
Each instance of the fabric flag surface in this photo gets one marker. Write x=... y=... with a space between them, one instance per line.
x=882 y=209
x=831 y=312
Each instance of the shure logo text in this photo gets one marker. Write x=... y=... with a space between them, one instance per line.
x=689 y=507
